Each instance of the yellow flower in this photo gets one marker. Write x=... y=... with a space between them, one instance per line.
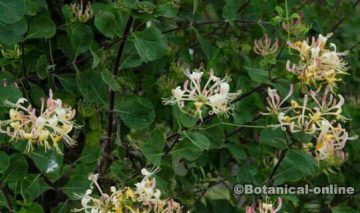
x=318 y=64
x=55 y=122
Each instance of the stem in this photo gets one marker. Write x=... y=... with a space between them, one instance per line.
x=282 y=156
x=108 y=143
x=271 y=177
x=287 y=18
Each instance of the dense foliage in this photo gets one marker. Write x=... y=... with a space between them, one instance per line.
x=163 y=106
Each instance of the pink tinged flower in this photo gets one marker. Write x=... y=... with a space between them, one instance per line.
x=268 y=207
x=250 y=209
x=214 y=93
x=224 y=88
x=274 y=100
x=265 y=47
x=53 y=123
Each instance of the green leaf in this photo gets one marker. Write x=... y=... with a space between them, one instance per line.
x=41 y=27
x=49 y=163
x=273 y=137
x=11 y=11
x=42 y=67
x=279 y=10
x=257 y=75
x=153 y=148
x=11 y=34
x=61 y=208
x=81 y=38
x=91 y=88
x=238 y=151
x=168 y=10
x=150 y=44
x=94 y=52
x=92 y=148
x=107 y=23
x=209 y=49
x=34 y=6
x=31 y=208
x=12 y=175
x=184 y=119
x=216 y=136
x=131 y=58
x=230 y=10
x=185 y=149
x=4 y=161
x=67 y=81
x=110 y=80
x=32 y=186
x=79 y=182
x=199 y=140
x=295 y=166
x=136 y=112
x=9 y=93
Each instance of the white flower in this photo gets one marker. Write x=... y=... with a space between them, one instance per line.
x=214 y=93
x=195 y=76
x=224 y=88
x=53 y=123
x=219 y=103
x=318 y=65
x=315 y=51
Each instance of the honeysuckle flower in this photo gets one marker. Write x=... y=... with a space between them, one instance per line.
x=265 y=47
x=250 y=209
x=308 y=115
x=318 y=65
x=265 y=207
x=83 y=14
x=318 y=115
x=46 y=127
x=331 y=140
x=274 y=100
x=268 y=207
x=214 y=93
x=144 y=198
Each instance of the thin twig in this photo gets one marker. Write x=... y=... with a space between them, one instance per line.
x=108 y=143
x=281 y=158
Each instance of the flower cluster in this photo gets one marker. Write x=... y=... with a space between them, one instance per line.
x=318 y=65
x=319 y=114
x=194 y=95
x=265 y=207
x=265 y=47
x=144 y=198
x=52 y=125
x=82 y=14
